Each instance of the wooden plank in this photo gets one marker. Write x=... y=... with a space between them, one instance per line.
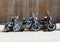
x=24 y=8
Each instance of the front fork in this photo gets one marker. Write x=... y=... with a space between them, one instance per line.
x=35 y=23
x=47 y=23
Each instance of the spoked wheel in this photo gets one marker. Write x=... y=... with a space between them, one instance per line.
x=16 y=28
x=36 y=27
x=51 y=27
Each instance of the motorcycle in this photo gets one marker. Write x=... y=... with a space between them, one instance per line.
x=14 y=25
x=31 y=24
x=47 y=24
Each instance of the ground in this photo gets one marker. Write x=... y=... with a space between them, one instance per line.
x=28 y=36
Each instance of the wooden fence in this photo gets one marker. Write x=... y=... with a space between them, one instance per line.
x=24 y=8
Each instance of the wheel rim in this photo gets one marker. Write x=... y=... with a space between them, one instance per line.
x=36 y=28
x=16 y=27
x=51 y=26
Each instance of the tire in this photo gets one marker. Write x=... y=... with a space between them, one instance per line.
x=6 y=29
x=16 y=28
x=21 y=29
x=36 y=28
x=51 y=27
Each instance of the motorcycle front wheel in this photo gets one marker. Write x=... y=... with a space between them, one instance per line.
x=51 y=27
x=16 y=28
x=36 y=27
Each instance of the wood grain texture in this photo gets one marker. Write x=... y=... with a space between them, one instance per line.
x=24 y=8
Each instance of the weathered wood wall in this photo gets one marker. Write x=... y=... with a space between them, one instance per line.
x=24 y=8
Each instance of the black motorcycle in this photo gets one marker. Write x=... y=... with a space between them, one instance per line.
x=14 y=25
x=47 y=24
